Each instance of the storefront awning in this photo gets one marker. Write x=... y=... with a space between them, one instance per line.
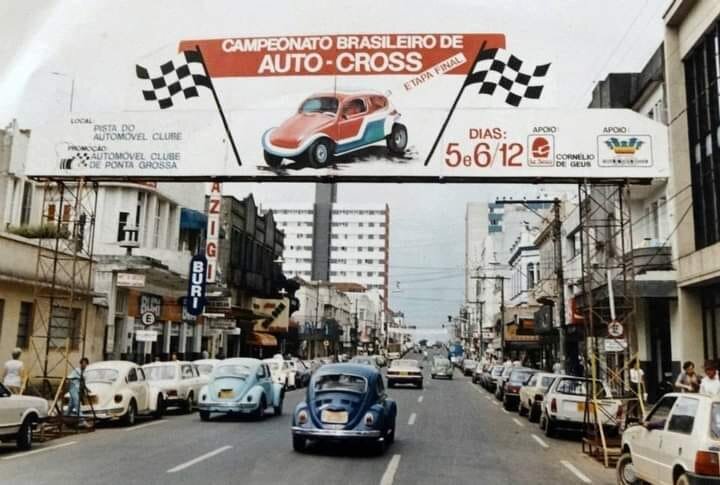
x=261 y=339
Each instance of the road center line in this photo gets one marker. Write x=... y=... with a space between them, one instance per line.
x=200 y=458
x=517 y=421
x=151 y=423
x=411 y=421
x=540 y=441
x=39 y=450
x=583 y=478
x=389 y=475
x=420 y=399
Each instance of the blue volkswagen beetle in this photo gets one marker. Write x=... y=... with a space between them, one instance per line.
x=241 y=386
x=345 y=402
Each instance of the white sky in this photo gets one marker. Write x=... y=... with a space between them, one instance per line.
x=45 y=46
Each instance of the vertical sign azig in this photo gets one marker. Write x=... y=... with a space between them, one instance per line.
x=213 y=231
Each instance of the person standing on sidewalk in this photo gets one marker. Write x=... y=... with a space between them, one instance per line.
x=14 y=372
x=688 y=380
x=710 y=384
x=76 y=388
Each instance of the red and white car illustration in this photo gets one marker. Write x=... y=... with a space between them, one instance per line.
x=332 y=124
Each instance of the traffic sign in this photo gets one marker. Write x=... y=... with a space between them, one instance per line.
x=615 y=329
x=148 y=318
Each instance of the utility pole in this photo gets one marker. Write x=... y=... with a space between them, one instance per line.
x=560 y=283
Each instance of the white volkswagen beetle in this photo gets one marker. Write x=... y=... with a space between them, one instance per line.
x=179 y=382
x=281 y=372
x=119 y=390
x=18 y=415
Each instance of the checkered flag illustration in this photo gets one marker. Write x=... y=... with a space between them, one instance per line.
x=182 y=75
x=497 y=68
x=80 y=159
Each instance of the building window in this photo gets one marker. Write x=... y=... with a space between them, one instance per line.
x=711 y=321
x=26 y=204
x=703 y=107
x=65 y=327
x=24 y=325
x=156 y=231
x=122 y=222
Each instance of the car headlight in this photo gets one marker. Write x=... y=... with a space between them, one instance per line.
x=249 y=399
x=302 y=417
x=369 y=419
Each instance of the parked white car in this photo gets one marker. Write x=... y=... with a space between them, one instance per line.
x=532 y=395
x=18 y=416
x=281 y=372
x=178 y=381
x=119 y=390
x=205 y=367
x=678 y=443
x=564 y=405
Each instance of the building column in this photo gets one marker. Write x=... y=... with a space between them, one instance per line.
x=167 y=333
x=182 y=339
x=197 y=340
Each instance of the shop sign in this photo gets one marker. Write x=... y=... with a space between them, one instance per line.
x=221 y=323
x=130 y=280
x=146 y=335
x=151 y=304
x=212 y=237
x=615 y=345
x=195 y=299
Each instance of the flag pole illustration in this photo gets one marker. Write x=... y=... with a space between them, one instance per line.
x=496 y=68
x=183 y=77
x=454 y=105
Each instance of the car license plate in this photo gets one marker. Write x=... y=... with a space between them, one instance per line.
x=581 y=407
x=335 y=417
x=226 y=393
x=404 y=374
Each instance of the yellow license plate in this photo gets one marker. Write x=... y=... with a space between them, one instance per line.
x=335 y=417
x=404 y=374
x=581 y=407
x=226 y=394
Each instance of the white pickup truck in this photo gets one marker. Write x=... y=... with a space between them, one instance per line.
x=19 y=415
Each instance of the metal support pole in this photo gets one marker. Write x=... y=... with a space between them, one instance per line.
x=560 y=278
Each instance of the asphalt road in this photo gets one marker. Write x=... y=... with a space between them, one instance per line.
x=451 y=432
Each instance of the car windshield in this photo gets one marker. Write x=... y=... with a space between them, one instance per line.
x=546 y=382
x=100 y=375
x=205 y=369
x=520 y=376
x=497 y=371
x=577 y=387
x=340 y=382
x=239 y=371
x=442 y=362
x=362 y=360
x=404 y=363
x=321 y=104
x=160 y=372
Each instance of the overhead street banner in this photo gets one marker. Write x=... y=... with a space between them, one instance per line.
x=455 y=107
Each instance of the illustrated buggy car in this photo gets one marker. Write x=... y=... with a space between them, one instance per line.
x=332 y=124
x=241 y=386
x=345 y=402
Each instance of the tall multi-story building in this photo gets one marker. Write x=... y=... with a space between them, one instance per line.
x=692 y=85
x=358 y=250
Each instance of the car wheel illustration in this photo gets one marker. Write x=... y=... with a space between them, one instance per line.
x=320 y=153
x=397 y=139
x=273 y=161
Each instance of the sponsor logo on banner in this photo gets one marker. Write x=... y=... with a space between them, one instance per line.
x=625 y=151
x=541 y=149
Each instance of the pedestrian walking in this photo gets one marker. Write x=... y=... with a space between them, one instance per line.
x=557 y=368
x=688 y=380
x=14 y=372
x=76 y=388
x=710 y=384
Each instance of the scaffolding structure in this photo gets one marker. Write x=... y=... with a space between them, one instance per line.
x=608 y=304
x=62 y=295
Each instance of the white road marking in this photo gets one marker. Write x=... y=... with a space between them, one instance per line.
x=200 y=458
x=583 y=478
x=420 y=399
x=39 y=450
x=389 y=475
x=540 y=441
x=151 y=423
x=517 y=421
x=411 y=421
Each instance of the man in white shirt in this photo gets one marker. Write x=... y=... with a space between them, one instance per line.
x=710 y=384
x=13 y=372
